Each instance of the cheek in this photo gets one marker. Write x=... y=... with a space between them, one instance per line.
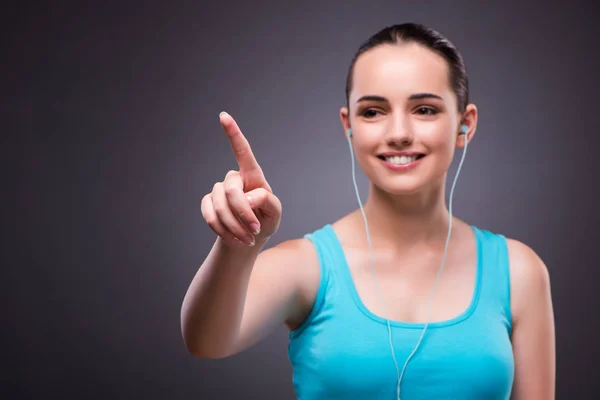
x=442 y=146
x=365 y=143
x=364 y=152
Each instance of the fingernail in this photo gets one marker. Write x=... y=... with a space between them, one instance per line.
x=255 y=228
x=222 y=114
x=249 y=240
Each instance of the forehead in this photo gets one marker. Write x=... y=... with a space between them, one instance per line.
x=397 y=70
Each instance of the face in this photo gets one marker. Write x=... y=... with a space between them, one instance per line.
x=401 y=101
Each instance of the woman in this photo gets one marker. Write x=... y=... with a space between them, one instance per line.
x=370 y=313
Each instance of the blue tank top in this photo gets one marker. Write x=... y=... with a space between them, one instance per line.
x=342 y=350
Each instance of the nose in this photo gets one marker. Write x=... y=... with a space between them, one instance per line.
x=399 y=133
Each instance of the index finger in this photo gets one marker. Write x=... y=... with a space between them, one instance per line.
x=241 y=148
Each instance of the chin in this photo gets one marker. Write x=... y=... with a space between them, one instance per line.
x=400 y=187
x=403 y=191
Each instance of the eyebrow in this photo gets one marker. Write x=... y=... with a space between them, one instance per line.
x=415 y=96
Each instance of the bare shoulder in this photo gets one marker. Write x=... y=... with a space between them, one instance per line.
x=294 y=252
x=533 y=335
x=529 y=276
x=301 y=262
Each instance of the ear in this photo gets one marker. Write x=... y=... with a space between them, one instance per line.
x=345 y=120
x=469 y=118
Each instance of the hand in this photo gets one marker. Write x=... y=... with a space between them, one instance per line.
x=244 y=200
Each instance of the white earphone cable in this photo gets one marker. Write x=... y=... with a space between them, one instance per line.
x=372 y=261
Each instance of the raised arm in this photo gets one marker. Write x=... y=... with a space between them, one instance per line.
x=240 y=292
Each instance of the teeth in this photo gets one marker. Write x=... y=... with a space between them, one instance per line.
x=401 y=160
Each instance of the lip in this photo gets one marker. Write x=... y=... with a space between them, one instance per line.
x=400 y=153
x=406 y=167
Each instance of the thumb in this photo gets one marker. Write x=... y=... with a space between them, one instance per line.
x=264 y=200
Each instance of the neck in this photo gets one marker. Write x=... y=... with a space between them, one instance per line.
x=408 y=221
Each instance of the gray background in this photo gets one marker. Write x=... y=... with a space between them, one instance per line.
x=110 y=138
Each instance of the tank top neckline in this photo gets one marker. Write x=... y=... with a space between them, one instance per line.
x=347 y=276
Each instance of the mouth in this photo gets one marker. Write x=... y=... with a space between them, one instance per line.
x=402 y=159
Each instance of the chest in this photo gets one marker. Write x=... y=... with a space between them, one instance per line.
x=458 y=361
x=406 y=284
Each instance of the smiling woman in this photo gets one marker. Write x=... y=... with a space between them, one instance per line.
x=357 y=294
x=407 y=81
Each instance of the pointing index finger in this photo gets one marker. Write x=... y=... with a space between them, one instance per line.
x=241 y=148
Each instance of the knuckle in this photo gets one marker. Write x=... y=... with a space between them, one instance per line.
x=210 y=218
x=219 y=209
x=211 y=221
x=205 y=205
x=230 y=189
x=231 y=172
x=205 y=200
x=243 y=151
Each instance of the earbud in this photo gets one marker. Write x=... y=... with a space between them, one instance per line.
x=350 y=132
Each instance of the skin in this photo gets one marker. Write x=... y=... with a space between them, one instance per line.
x=408 y=221
x=407 y=214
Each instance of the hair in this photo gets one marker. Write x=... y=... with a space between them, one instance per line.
x=431 y=39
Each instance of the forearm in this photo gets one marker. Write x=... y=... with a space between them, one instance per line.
x=213 y=306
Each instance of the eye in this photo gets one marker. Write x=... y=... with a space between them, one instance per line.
x=427 y=111
x=369 y=113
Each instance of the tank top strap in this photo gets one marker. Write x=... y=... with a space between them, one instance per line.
x=495 y=280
